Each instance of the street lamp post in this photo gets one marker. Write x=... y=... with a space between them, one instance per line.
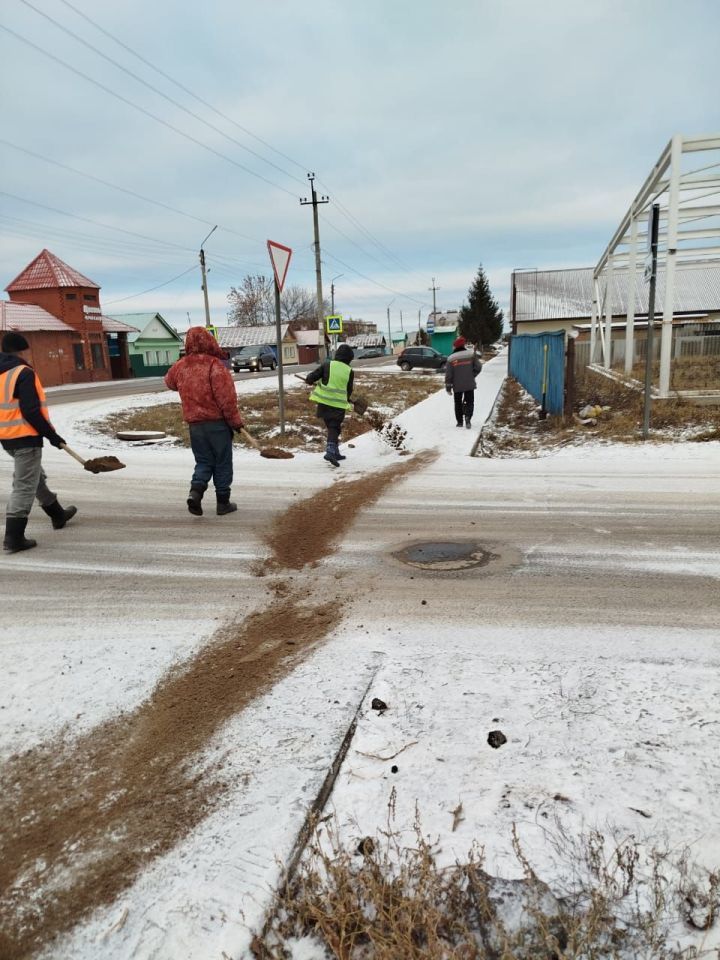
x=332 y=306
x=332 y=293
x=390 y=345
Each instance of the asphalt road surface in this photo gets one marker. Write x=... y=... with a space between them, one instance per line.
x=133 y=387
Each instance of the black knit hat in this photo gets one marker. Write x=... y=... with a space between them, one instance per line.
x=13 y=343
x=344 y=353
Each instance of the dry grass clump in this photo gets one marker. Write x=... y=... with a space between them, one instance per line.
x=391 y=393
x=387 y=901
x=516 y=429
x=687 y=373
x=624 y=419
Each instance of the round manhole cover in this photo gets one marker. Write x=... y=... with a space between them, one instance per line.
x=446 y=555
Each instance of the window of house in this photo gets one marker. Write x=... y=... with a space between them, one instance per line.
x=79 y=356
x=288 y=353
x=167 y=357
x=90 y=296
x=98 y=360
x=71 y=296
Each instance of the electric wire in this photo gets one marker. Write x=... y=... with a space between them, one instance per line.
x=151 y=289
x=132 y=233
x=126 y=190
x=181 y=86
x=155 y=89
x=341 y=208
x=147 y=113
x=187 y=136
x=398 y=293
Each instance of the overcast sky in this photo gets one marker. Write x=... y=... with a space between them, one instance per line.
x=509 y=132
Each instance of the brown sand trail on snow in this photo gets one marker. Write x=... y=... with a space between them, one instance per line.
x=104 y=805
x=81 y=818
x=297 y=538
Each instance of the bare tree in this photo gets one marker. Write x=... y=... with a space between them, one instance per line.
x=297 y=303
x=252 y=304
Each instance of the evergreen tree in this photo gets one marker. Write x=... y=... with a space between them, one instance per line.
x=481 y=320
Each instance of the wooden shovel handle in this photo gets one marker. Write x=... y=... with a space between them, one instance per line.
x=76 y=456
x=248 y=439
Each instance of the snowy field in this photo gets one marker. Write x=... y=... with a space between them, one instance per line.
x=594 y=649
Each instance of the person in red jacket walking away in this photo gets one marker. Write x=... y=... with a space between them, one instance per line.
x=209 y=404
x=24 y=421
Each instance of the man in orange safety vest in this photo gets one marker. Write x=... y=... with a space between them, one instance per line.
x=24 y=421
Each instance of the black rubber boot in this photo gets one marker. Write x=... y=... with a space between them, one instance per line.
x=15 y=539
x=194 y=501
x=332 y=454
x=59 y=515
x=225 y=505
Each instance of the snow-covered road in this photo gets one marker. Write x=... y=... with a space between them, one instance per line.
x=592 y=642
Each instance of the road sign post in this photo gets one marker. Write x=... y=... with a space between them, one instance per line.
x=334 y=325
x=653 y=224
x=280 y=260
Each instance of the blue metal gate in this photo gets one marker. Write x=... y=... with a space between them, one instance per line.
x=537 y=361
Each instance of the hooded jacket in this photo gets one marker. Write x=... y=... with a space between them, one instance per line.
x=29 y=401
x=207 y=391
x=460 y=371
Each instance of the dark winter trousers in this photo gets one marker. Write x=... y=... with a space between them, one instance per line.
x=464 y=405
x=211 y=444
x=29 y=482
x=333 y=418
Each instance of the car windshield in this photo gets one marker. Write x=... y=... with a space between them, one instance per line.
x=248 y=352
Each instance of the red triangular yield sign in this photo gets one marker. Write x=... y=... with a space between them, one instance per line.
x=280 y=259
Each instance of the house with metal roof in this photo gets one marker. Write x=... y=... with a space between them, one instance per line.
x=361 y=340
x=445 y=331
x=57 y=309
x=543 y=300
x=154 y=345
x=233 y=339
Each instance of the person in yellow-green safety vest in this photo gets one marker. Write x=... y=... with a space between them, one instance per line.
x=333 y=381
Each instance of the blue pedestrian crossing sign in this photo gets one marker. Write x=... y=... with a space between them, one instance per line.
x=334 y=324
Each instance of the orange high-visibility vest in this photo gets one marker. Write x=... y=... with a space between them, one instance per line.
x=13 y=425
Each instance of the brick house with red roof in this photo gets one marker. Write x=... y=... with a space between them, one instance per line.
x=57 y=310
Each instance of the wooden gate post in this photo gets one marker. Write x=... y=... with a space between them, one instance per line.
x=569 y=377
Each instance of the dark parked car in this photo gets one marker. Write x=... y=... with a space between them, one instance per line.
x=254 y=358
x=363 y=353
x=424 y=357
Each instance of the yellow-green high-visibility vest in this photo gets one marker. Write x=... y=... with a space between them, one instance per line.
x=334 y=392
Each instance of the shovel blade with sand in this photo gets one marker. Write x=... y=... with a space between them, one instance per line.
x=270 y=453
x=96 y=464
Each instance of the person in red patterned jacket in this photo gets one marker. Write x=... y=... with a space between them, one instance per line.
x=209 y=404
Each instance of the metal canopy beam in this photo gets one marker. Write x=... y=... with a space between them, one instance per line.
x=665 y=184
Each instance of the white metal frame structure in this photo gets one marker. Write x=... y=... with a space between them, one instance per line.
x=688 y=192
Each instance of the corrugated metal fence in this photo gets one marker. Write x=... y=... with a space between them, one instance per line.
x=537 y=360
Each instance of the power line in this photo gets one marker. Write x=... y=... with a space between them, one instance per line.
x=147 y=113
x=195 y=96
x=383 y=286
x=150 y=86
x=126 y=190
x=343 y=210
x=151 y=289
x=107 y=226
x=359 y=226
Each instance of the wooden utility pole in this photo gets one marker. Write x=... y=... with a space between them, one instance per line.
x=204 y=276
x=318 y=269
x=434 y=289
